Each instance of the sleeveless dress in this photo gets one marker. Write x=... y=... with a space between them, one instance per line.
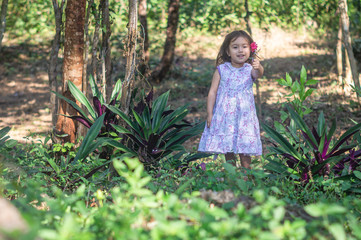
x=234 y=126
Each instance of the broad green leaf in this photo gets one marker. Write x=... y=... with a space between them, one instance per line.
x=303 y=76
x=320 y=124
x=121 y=147
x=282 y=82
x=295 y=87
x=311 y=82
x=122 y=115
x=4 y=131
x=350 y=131
x=289 y=80
x=357 y=174
x=158 y=109
x=337 y=231
x=117 y=91
x=332 y=130
x=88 y=145
x=78 y=95
x=74 y=105
x=284 y=143
x=301 y=124
x=95 y=89
x=307 y=94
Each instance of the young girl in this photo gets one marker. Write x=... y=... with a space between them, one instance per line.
x=232 y=125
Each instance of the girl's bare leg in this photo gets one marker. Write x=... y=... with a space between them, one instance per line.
x=231 y=158
x=245 y=161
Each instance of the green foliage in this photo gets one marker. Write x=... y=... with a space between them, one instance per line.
x=315 y=154
x=154 y=132
x=90 y=213
x=299 y=92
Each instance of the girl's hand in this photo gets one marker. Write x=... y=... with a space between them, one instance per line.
x=256 y=64
x=209 y=120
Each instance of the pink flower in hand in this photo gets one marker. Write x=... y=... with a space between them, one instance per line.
x=254 y=47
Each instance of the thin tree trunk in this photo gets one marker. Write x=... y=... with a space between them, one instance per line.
x=246 y=18
x=82 y=130
x=53 y=63
x=347 y=41
x=106 y=32
x=128 y=82
x=72 y=66
x=94 y=63
x=169 y=47
x=249 y=29
x=144 y=25
x=339 y=54
x=86 y=48
x=4 y=7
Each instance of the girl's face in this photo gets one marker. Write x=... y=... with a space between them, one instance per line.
x=239 y=50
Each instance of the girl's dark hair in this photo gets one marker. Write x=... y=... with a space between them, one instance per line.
x=222 y=56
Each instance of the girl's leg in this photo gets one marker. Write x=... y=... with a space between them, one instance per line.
x=231 y=158
x=245 y=161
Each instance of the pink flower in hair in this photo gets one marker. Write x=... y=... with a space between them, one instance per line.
x=254 y=47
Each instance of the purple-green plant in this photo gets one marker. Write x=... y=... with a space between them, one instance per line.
x=97 y=109
x=315 y=153
x=154 y=131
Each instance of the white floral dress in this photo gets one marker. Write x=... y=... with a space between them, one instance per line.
x=234 y=127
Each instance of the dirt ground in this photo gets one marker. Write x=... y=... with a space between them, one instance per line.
x=24 y=96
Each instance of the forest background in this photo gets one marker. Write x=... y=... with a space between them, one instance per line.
x=310 y=50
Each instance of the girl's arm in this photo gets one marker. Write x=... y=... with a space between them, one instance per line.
x=257 y=69
x=212 y=94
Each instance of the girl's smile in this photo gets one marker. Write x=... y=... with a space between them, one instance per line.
x=239 y=50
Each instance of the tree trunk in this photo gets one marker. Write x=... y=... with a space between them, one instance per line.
x=53 y=63
x=106 y=59
x=86 y=48
x=246 y=18
x=72 y=66
x=128 y=82
x=339 y=54
x=144 y=25
x=4 y=7
x=94 y=63
x=249 y=29
x=347 y=41
x=168 y=55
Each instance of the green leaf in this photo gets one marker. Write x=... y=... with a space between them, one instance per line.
x=4 y=131
x=320 y=124
x=78 y=95
x=282 y=82
x=295 y=87
x=332 y=130
x=311 y=82
x=88 y=146
x=158 y=109
x=95 y=89
x=74 y=105
x=301 y=124
x=303 y=76
x=357 y=174
x=117 y=91
x=120 y=146
x=337 y=231
x=123 y=116
x=284 y=143
x=289 y=80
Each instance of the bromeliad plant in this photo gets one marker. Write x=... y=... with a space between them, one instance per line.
x=99 y=106
x=153 y=131
x=315 y=153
